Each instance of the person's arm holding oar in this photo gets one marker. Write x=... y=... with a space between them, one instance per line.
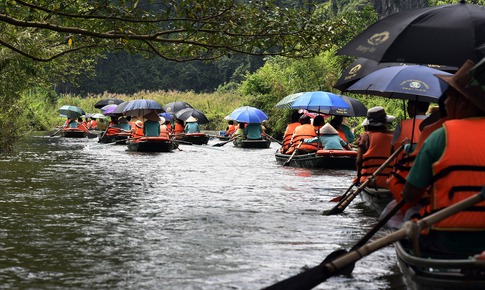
x=293 y=154
x=316 y=275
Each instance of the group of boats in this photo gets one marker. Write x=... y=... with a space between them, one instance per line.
x=419 y=272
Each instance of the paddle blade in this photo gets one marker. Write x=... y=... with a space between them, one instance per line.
x=337 y=198
x=305 y=280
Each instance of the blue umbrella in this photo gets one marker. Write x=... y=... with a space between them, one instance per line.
x=141 y=107
x=319 y=101
x=248 y=114
x=166 y=115
x=403 y=82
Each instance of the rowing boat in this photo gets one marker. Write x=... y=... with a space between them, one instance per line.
x=195 y=138
x=328 y=159
x=376 y=198
x=119 y=138
x=252 y=143
x=152 y=144
x=73 y=133
x=439 y=273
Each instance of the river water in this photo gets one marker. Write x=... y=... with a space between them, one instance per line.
x=79 y=214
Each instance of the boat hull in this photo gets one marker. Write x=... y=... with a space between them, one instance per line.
x=117 y=138
x=195 y=138
x=328 y=159
x=422 y=273
x=256 y=144
x=377 y=199
x=152 y=144
x=73 y=133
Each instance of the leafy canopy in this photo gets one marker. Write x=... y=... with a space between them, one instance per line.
x=179 y=30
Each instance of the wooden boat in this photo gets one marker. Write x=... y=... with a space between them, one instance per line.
x=250 y=143
x=376 y=198
x=195 y=138
x=73 y=133
x=152 y=144
x=329 y=159
x=433 y=273
x=119 y=138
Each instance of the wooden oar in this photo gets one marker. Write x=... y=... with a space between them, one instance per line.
x=320 y=273
x=339 y=198
x=294 y=152
x=57 y=132
x=340 y=207
x=225 y=142
x=274 y=139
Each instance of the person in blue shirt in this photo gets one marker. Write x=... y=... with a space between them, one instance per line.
x=253 y=131
x=329 y=138
x=191 y=125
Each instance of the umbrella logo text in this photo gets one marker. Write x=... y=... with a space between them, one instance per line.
x=378 y=38
x=353 y=71
x=415 y=85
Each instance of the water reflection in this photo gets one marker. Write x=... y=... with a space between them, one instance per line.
x=78 y=214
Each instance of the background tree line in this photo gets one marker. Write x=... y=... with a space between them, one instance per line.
x=256 y=51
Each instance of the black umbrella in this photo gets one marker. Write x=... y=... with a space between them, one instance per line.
x=191 y=112
x=364 y=66
x=445 y=35
x=108 y=101
x=357 y=109
x=174 y=107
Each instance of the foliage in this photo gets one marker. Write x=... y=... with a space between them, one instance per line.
x=179 y=30
x=123 y=73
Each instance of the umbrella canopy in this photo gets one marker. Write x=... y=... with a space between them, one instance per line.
x=141 y=107
x=174 y=107
x=445 y=34
x=356 y=108
x=108 y=108
x=286 y=102
x=319 y=101
x=248 y=115
x=98 y=116
x=118 y=111
x=166 y=115
x=71 y=112
x=363 y=66
x=403 y=82
x=108 y=101
x=191 y=112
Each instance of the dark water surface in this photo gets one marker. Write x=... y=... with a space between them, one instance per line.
x=78 y=214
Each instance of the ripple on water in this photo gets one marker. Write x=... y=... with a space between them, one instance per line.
x=79 y=214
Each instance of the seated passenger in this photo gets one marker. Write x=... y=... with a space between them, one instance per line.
x=329 y=138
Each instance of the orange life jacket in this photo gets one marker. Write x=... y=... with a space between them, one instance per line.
x=111 y=131
x=93 y=124
x=287 y=136
x=231 y=129
x=459 y=174
x=395 y=182
x=378 y=152
x=164 y=132
x=305 y=131
x=342 y=135
x=407 y=132
x=137 y=132
x=179 y=129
